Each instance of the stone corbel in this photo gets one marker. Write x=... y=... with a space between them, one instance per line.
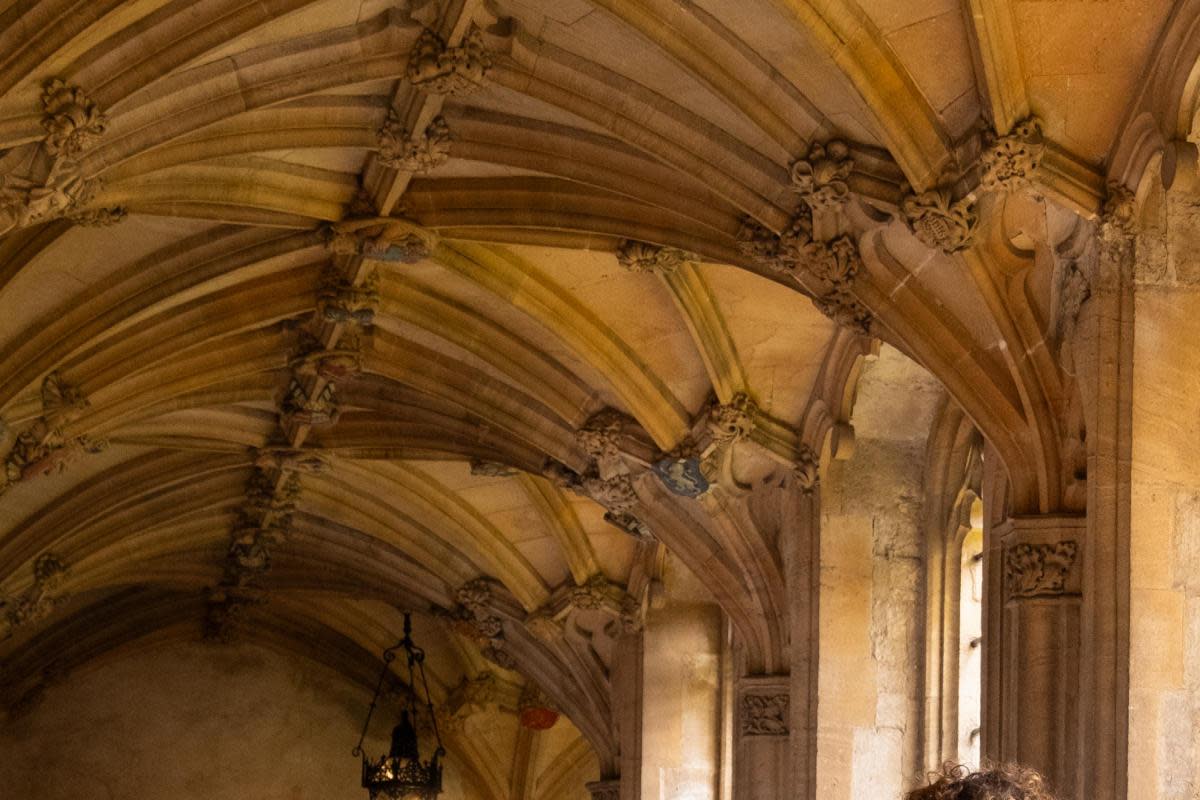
x=475 y=617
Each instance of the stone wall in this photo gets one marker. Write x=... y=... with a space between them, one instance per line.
x=1164 y=736
x=189 y=721
x=871 y=590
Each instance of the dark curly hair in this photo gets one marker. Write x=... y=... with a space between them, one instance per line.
x=993 y=782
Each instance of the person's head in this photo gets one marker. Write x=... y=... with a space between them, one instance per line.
x=993 y=782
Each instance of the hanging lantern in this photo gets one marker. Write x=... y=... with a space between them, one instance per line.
x=401 y=774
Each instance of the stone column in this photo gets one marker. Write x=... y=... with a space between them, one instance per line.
x=681 y=702
x=762 y=758
x=1033 y=613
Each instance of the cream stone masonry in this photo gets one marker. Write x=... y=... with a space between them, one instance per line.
x=671 y=362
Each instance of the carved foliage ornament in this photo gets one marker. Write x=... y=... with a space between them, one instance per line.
x=819 y=176
x=41 y=598
x=437 y=69
x=643 y=257
x=733 y=421
x=416 y=153
x=44 y=448
x=605 y=790
x=1009 y=162
x=764 y=714
x=1034 y=570
x=829 y=268
x=940 y=223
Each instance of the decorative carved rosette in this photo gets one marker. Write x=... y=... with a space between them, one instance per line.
x=1038 y=570
x=416 y=153
x=72 y=120
x=940 y=223
x=764 y=713
x=1009 y=162
x=819 y=176
x=643 y=257
x=457 y=71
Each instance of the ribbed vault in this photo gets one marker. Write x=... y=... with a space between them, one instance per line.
x=302 y=325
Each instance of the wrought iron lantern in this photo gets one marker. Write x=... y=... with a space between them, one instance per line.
x=401 y=774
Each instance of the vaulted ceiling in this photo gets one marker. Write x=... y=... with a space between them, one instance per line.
x=313 y=309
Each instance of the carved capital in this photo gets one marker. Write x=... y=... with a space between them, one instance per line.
x=642 y=257
x=435 y=68
x=819 y=176
x=940 y=223
x=418 y=153
x=1008 y=163
x=605 y=790
x=1038 y=570
x=72 y=120
x=764 y=712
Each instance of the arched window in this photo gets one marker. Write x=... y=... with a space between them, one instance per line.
x=970 y=640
